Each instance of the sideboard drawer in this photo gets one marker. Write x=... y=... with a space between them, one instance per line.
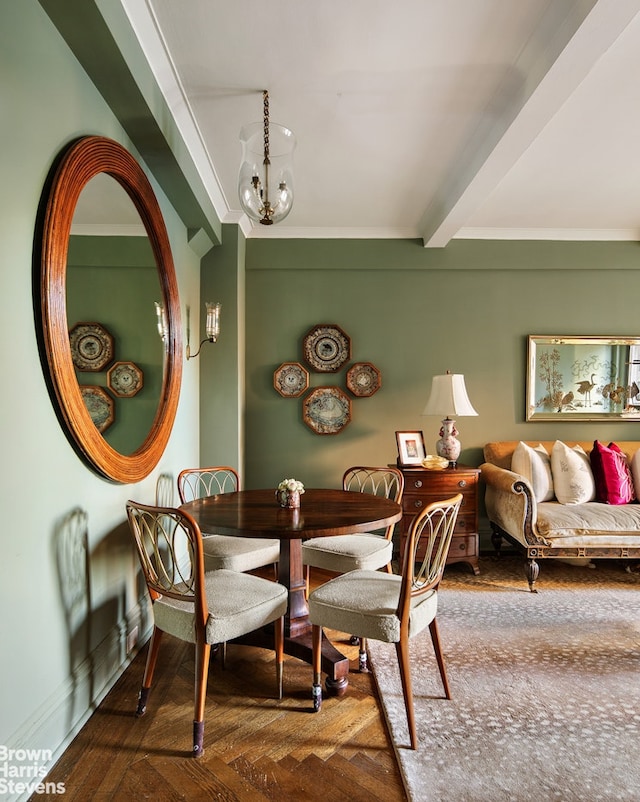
x=421 y=487
x=464 y=523
x=462 y=549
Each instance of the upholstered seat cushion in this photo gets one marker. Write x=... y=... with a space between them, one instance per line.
x=238 y=553
x=365 y=603
x=344 y=553
x=590 y=524
x=238 y=603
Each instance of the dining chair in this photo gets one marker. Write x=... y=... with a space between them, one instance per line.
x=225 y=551
x=367 y=550
x=194 y=605
x=389 y=607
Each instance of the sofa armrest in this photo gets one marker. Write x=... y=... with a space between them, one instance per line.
x=511 y=504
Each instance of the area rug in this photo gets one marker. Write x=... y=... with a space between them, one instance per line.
x=545 y=687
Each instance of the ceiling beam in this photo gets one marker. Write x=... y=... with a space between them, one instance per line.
x=110 y=54
x=553 y=64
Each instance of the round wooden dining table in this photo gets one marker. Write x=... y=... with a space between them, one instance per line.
x=322 y=512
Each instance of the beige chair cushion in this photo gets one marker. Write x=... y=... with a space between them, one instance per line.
x=365 y=603
x=238 y=553
x=238 y=604
x=344 y=553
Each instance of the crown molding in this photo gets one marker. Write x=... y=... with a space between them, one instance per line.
x=560 y=234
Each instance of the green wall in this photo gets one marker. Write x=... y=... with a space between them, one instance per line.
x=417 y=312
x=222 y=366
x=51 y=679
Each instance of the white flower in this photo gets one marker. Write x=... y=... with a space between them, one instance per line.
x=292 y=485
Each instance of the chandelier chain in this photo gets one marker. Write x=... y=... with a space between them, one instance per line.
x=265 y=96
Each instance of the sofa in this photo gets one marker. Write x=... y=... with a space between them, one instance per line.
x=526 y=500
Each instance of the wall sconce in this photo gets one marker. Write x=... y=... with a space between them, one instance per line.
x=212 y=328
x=161 y=319
x=449 y=397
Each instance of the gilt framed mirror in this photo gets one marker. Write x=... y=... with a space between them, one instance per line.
x=583 y=378
x=128 y=450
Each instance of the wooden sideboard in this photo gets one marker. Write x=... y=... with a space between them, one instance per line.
x=422 y=486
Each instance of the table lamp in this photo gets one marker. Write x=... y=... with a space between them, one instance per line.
x=449 y=398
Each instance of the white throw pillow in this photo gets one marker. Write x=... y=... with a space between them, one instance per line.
x=535 y=465
x=572 y=477
x=634 y=464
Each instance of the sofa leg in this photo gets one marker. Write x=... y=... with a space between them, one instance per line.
x=496 y=539
x=532 y=569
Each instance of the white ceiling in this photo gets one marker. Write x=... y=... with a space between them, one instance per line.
x=433 y=119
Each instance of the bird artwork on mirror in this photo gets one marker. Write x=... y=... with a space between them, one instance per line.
x=585 y=387
x=586 y=378
x=615 y=392
x=566 y=402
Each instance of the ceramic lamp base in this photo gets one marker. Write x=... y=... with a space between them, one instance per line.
x=448 y=446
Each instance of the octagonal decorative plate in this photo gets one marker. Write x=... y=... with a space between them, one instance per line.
x=125 y=379
x=100 y=406
x=326 y=410
x=363 y=379
x=91 y=346
x=326 y=348
x=291 y=379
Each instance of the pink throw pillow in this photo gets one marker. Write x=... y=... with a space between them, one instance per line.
x=614 y=483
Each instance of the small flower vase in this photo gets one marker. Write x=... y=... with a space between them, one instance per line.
x=288 y=499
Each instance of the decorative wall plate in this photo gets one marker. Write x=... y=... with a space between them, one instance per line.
x=291 y=379
x=125 y=379
x=363 y=379
x=91 y=346
x=326 y=410
x=100 y=406
x=326 y=348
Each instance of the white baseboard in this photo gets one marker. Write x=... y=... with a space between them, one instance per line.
x=61 y=717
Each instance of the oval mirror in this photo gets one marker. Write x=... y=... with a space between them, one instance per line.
x=126 y=380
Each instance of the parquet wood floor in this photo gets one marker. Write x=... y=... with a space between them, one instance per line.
x=256 y=747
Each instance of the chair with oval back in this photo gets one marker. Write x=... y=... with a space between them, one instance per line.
x=369 y=550
x=388 y=607
x=225 y=551
x=199 y=607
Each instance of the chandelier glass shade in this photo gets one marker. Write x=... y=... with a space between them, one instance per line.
x=265 y=179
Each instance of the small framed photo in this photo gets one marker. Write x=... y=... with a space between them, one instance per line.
x=411 y=450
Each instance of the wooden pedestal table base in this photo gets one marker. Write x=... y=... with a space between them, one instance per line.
x=323 y=513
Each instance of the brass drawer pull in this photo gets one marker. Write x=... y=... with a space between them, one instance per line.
x=417 y=503
x=418 y=483
x=462 y=483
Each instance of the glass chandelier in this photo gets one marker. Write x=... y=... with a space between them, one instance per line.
x=265 y=180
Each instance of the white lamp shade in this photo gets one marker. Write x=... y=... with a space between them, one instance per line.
x=449 y=397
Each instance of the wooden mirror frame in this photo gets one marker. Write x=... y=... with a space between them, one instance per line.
x=80 y=162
